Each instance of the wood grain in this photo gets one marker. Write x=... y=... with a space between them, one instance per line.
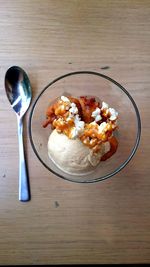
x=107 y=222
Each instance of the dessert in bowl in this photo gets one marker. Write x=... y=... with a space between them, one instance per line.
x=84 y=127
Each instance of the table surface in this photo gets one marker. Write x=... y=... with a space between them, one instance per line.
x=65 y=222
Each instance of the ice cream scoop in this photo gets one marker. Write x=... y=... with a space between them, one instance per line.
x=72 y=156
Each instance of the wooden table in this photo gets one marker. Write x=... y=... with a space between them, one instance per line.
x=106 y=222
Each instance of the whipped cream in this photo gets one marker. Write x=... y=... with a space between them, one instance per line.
x=102 y=127
x=79 y=127
x=73 y=110
x=104 y=106
x=96 y=114
x=113 y=114
x=65 y=99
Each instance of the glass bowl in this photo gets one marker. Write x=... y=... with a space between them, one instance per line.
x=88 y=83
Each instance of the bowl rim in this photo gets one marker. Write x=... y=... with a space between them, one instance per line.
x=137 y=140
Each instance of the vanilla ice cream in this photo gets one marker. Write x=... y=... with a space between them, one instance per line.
x=71 y=155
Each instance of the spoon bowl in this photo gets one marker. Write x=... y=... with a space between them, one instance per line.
x=18 y=91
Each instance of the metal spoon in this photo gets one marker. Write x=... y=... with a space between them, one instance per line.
x=18 y=90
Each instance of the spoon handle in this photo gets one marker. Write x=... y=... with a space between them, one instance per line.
x=24 y=194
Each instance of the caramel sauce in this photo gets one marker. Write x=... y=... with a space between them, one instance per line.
x=64 y=126
x=113 y=147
